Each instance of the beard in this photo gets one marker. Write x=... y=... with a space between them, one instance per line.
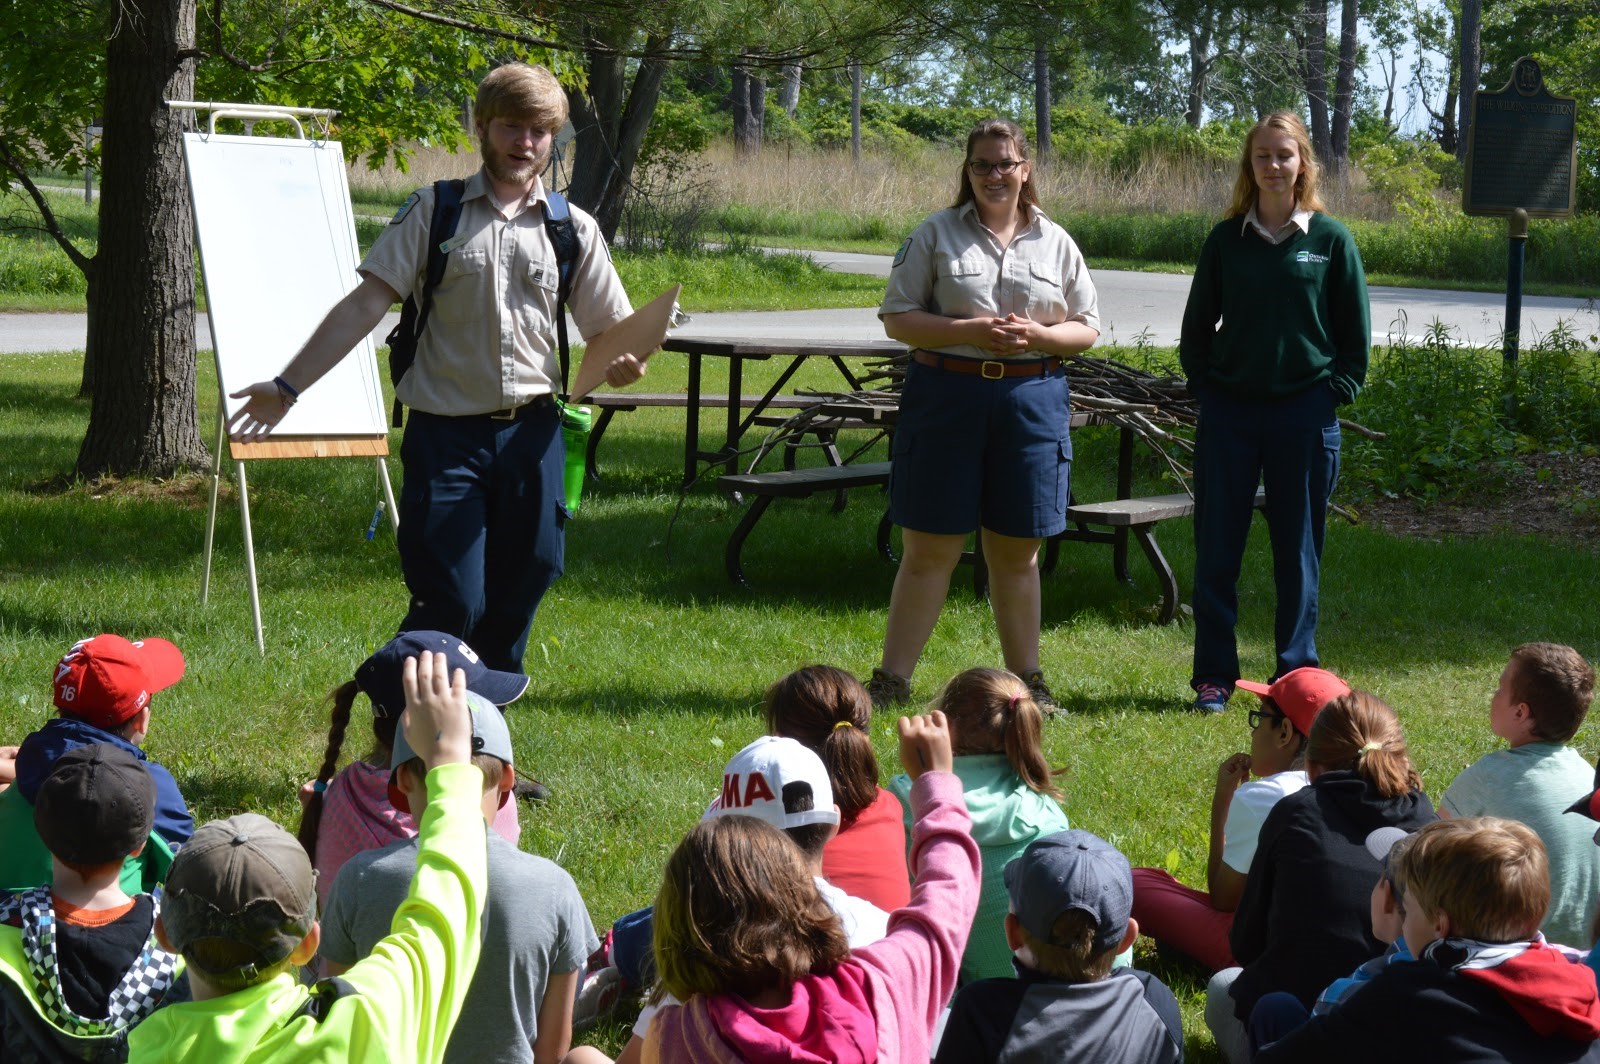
x=509 y=171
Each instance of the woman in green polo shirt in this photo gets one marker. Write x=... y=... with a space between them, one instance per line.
x=1275 y=336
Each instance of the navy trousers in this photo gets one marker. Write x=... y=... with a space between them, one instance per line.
x=1291 y=447
x=482 y=516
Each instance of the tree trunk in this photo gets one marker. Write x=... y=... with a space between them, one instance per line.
x=789 y=92
x=1344 y=89
x=1041 y=100
x=1314 y=68
x=855 y=110
x=1199 y=70
x=611 y=124
x=749 y=109
x=141 y=297
x=1471 y=61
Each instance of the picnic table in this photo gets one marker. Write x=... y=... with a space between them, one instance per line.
x=1112 y=522
x=742 y=414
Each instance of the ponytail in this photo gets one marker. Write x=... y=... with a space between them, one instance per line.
x=1358 y=732
x=342 y=698
x=827 y=710
x=992 y=711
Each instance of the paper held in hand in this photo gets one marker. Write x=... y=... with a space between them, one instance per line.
x=640 y=333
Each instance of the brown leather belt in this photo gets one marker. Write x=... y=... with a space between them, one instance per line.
x=988 y=368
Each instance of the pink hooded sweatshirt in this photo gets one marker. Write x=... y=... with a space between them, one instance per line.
x=879 y=1005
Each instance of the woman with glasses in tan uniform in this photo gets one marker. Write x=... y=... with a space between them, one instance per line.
x=989 y=294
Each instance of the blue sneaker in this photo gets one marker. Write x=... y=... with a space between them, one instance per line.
x=1210 y=698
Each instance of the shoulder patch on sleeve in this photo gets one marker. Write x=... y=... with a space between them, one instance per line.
x=900 y=256
x=405 y=208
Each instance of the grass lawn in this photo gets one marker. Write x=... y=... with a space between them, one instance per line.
x=648 y=666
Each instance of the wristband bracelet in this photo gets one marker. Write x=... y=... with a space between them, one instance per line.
x=285 y=392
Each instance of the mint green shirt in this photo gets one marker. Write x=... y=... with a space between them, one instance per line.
x=1534 y=783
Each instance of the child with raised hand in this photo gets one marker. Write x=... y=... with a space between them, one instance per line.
x=1541 y=701
x=828 y=710
x=996 y=731
x=348 y=813
x=745 y=940
x=1485 y=985
x=241 y=908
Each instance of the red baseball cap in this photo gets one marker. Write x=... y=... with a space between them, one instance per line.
x=107 y=679
x=1300 y=694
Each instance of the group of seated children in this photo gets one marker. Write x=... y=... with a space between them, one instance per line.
x=811 y=915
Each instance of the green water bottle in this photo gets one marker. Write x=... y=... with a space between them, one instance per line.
x=576 y=421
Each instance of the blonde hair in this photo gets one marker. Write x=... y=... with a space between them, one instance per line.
x=1489 y=875
x=1305 y=182
x=517 y=90
x=1359 y=732
x=991 y=711
x=1070 y=953
x=997 y=127
x=739 y=911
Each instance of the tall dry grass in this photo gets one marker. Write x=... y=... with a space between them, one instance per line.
x=910 y=183
x=916 y=182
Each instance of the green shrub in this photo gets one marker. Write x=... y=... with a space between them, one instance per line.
x=1443 y=411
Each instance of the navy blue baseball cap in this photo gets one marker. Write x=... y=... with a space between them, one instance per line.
x=1072 y=870
x=379 y=676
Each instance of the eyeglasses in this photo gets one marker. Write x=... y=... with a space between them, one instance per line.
x=1006 y=167
x=1256 y=716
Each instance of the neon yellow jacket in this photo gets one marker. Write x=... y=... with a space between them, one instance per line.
x=408 y=992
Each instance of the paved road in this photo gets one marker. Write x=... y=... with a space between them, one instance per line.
x=1130 y=303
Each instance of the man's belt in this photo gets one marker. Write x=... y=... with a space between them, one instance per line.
x=511 y=413
x=988 y=368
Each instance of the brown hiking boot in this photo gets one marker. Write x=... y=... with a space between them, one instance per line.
x=888 y=690
x=1041 y=692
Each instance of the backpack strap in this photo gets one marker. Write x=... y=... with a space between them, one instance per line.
x=324 y=992
x=414 y=316
x=564 y=241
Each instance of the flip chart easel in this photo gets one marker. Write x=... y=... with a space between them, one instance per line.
x=277 y=249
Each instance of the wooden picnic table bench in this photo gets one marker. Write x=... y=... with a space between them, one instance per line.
x=611 y=403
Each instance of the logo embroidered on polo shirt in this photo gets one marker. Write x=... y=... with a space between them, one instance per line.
x=1309 y=256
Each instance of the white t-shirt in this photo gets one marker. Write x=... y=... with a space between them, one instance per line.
x=1251 y=804
x=864 y=923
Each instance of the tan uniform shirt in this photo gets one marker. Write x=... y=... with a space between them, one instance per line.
x=491 y=336
x=952 y=265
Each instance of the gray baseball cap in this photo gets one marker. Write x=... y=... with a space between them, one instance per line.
x=489 y=733
x=1072 y=870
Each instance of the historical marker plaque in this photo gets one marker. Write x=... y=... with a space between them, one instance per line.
x=1521 y=149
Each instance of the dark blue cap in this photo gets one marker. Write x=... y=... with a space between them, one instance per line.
x=379 y=676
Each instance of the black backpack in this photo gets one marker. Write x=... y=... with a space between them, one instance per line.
x=402 y=339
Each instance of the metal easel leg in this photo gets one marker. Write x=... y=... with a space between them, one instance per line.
x=211 y=509
x=388 y=494
x=250 y=557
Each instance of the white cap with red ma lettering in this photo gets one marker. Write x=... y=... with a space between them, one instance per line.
x=753 y=784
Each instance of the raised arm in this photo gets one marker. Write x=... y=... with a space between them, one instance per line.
x=353 y=317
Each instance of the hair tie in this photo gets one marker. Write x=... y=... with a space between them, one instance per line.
x=319 y=786
x=843 y=724
x=1371 y=747
x=1011 y=703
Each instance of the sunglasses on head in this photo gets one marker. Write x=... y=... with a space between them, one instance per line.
x=1256 y=716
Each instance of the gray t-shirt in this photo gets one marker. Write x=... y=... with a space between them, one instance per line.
x=535 y=926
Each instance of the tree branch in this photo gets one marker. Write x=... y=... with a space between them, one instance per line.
x=51 y=226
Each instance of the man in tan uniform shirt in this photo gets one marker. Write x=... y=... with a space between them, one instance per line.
x=481 y=503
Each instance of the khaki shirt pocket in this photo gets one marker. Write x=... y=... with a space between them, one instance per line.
x=962 y=288
x=461 y=294
x=536 y=296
